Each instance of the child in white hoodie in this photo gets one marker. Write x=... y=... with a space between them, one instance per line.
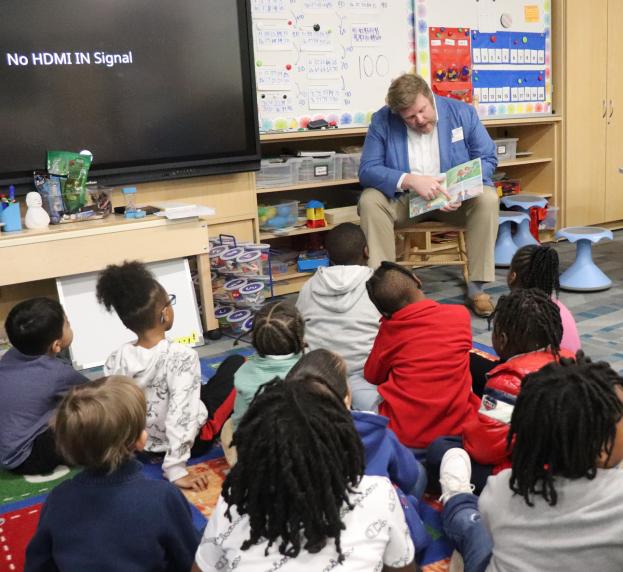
x=337 y=310
x=178 y=407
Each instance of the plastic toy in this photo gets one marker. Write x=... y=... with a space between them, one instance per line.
x=315 y=215
x=36 y=217
x=440 y=74
x=453 y=74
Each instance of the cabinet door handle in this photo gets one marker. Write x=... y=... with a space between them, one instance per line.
x=611 y=109
x=604 y=107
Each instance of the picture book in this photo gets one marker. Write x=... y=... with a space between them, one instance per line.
x=461 y=182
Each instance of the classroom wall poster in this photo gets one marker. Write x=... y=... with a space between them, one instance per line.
x=503 y=61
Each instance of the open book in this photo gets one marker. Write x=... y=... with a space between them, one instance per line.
x=461 y=182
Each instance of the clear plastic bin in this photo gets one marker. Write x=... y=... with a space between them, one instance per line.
x=277 y=172
x=550 y=220
x=347 y=165
x=277 y=216
x=506 y=149
x=317 y=169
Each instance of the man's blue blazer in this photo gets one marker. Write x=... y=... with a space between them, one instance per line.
x=385 y=156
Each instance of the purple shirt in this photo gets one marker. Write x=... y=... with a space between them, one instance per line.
x=30 y=390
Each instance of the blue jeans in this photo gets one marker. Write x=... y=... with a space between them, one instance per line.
x=420 y=485
x=464 y=528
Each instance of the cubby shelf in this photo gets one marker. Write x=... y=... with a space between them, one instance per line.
x=308 y=185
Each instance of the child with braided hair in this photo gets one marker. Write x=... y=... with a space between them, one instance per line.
x=560 y=507
x=526 y=335
x=538 y=267
x=182 y=414
x=298 y=499
x=278 y=331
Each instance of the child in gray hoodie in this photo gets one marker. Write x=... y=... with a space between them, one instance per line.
x=337 y=310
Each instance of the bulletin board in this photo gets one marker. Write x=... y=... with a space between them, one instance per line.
x=328 y=59
x=495 y=54
x=97 y=333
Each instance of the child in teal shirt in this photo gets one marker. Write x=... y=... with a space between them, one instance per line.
x=278 y=339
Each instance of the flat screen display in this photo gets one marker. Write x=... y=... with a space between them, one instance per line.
x=153 y=88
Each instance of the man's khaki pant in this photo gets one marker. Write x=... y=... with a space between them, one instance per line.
x=380 y=215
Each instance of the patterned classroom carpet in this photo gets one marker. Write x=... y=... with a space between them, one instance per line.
x=21 y=500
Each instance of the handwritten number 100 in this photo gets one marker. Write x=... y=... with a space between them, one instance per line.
x=369 y=67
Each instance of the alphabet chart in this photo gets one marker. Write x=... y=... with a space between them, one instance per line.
x=328 y=59
x=493 y=53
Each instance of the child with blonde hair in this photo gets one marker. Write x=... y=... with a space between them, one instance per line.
x=109 y=516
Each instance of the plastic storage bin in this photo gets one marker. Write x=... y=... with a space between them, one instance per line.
x=277 y=173
x=317 y=169
x=277 y=216
x=506 y=148
x=550 y=220
x=347 y=165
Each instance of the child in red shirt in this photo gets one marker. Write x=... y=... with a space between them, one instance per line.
x=420 y=359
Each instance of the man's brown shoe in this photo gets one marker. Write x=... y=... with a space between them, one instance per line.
x=481 y=305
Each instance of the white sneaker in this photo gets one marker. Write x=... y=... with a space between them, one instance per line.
x=455 y=473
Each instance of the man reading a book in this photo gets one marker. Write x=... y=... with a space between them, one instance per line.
x=411 y=141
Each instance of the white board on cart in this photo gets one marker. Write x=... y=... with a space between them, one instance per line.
x=97 y=333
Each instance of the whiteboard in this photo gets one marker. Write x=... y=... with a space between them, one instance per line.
x=328 y=59
x=97 y=333
x=498 y=86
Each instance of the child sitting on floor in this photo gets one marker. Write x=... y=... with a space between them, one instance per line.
x=278 y=332
x=561 y=505
x=32 y=382
x=109 y=516
x=420 y=359
x=337 y=310
x=385 y=455
x=297 y=498
x=526 y=335
x=537 y=267
x=178 y=406
x=278 y=339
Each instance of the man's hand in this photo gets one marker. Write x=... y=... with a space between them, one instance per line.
x=197 y=483
x=424 y=185
x=451 y=207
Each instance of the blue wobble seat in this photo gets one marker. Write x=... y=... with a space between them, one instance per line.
x=584 y=275
x=505 y=246
x=524 y=203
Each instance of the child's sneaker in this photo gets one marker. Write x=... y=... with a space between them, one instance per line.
x=455 y=473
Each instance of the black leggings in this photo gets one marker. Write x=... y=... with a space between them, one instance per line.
x=43 y=458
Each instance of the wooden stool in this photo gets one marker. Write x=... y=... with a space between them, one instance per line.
x=419 y=249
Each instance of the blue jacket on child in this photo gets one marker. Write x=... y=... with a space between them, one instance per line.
x=387 y=457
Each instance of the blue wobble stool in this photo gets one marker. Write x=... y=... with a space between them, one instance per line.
x=523 y=203
x=583 y=275
x=505 y=246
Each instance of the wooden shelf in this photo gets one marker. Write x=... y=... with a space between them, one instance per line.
x=295 y=232
x=307 y=134
x=290 y=276
x=308 y=185
x=524 y=161
x=521 y=120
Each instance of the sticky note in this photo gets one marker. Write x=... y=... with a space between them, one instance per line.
x=531 y=14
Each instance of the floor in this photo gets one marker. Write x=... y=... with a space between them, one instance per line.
x=599 y=314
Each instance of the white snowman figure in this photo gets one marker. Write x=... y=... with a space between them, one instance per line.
x=36 y=217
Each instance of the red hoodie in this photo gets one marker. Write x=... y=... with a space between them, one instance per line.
x=420 y=361
x=484 y=437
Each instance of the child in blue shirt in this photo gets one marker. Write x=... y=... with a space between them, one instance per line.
x=110 y=516
x=385 y=456
x=32 y=382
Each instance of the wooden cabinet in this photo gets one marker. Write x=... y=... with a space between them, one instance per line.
x=538 y=168
x=593 y=96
